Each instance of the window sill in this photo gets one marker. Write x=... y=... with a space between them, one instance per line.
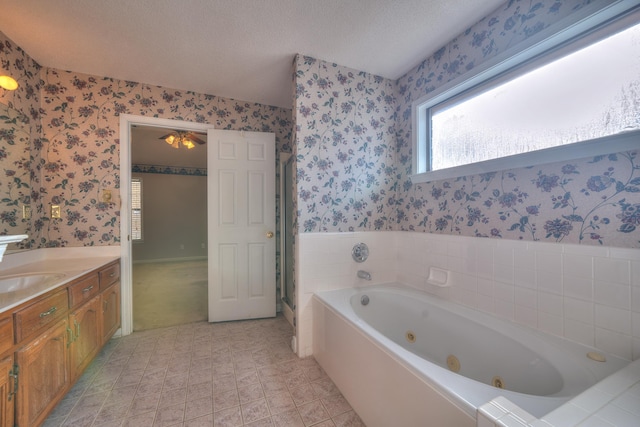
x=624 y=141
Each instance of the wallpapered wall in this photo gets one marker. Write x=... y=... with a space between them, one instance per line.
x=16 y=157
x=79 y=141
x=353 y=141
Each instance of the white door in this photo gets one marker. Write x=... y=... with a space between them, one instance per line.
x=241 y=226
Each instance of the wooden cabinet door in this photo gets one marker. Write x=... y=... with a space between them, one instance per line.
x=87 y=336
x=110 y=311
x=6 y=387
x=44 y=375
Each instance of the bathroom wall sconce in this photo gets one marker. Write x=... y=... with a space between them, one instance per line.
x=8 y=83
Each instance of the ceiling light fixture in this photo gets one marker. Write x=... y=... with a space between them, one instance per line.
x=175 y=139
x=8 y=83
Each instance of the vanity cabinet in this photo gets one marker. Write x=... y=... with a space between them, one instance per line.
x=110 y=311
x=6 y=391
x=86 y=336
x=43 y=375
x=50 y=340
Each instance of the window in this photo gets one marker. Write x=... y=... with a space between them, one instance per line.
x=585 y=89
x=136 y=209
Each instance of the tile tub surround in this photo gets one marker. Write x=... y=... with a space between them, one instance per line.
x=588 y=294
x=202 y=374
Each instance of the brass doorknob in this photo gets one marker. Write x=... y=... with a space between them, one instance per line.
x=269 y=234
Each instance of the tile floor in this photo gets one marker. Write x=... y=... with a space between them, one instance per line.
x=201 y=374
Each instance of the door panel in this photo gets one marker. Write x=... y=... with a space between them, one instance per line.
x=242 y=222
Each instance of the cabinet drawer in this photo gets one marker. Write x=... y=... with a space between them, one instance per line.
x=41 y=313
x=84 y=290
x=6 y=334
x=109 y=275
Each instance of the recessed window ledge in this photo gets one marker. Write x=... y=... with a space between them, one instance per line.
x=623 y=141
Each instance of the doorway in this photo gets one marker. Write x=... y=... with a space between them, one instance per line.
x=236 y=288
x=127 y=124
x=169 y=226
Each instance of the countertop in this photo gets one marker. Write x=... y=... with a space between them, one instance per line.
x=64 y=265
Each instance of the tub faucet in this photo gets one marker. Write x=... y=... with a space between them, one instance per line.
x=364 y=275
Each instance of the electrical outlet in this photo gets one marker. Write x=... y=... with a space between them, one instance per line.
x=181 y=247
x=26 y=212
x=55 y=211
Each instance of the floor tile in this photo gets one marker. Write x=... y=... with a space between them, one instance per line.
x=202 y=375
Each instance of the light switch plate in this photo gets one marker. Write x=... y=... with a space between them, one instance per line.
x=55 y=211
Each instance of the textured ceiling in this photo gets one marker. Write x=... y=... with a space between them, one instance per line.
x=241 y=49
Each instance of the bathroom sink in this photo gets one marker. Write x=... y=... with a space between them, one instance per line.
x=18 y=282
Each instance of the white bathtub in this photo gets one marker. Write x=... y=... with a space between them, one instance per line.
x=363 y=347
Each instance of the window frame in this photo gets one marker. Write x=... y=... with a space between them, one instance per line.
x=586 y=26
x=141 y=209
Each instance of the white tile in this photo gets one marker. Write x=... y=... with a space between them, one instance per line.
x=624 y=253
x=511 y=421
x=585 y=250
x=492 y=410
x=550 y=324
x=485 y=287
x=635 y=325
x=503 y=291
x=525 y=278
x=549 y=282
x=566 y=415
x=526 y=316
x=612 y=270
x=613 y=319
x=485 y=303
x=613 y=294
x=504 y=309
x=578 y=287
x=635 y=298
x=617 y=383
x=550 y=303
x=635 y=273
x=549 y=261
x=592 y=399
x=615 y=343
x=524 y=259
x=617 y=416
x=595 y=421
x=582 y=333
x=578 y=309
x=577 y=265
x=526 y=297
x=629 y=402
x=503 y=253
x=503 y=272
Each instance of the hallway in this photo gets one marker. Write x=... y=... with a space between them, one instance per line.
x=169 y=293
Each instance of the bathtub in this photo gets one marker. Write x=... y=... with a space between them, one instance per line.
x=394 y=352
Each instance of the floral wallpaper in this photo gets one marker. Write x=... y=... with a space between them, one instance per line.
x=346 y=156
x=353 y=142
x=19 y=123
x=75 y=140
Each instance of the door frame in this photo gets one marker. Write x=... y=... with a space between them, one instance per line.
x=126 y=280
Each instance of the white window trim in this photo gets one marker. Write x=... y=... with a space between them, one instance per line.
x=586 y=19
